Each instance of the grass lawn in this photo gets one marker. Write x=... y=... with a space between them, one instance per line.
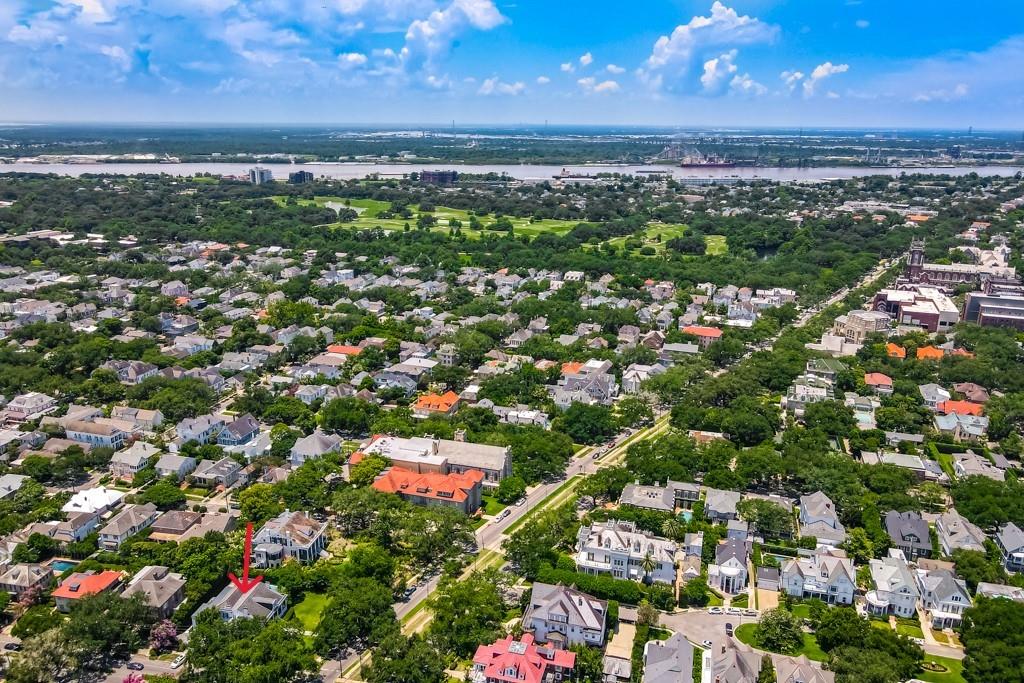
x=745 y=634
x=741 y=601
x=309 y=610
x=953 y=673
x=654 y=235
x=801 y=610
x=716 y=245
x=491 y=506
x=909 y=630
x=369 y=211
x=714 y=599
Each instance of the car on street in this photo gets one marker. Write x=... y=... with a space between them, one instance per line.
x=521 y=502
x=715 y=610
x=734 y=612
x=178 y=661
x=728 y=630
x=750 y=612
x=135 y=666
x=706 y=643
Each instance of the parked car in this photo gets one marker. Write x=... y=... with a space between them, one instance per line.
x=178 y=661
x=135 y=666
x=728 y=630
x=750 y=612
x=521 y=502
x=716 y=610
x=734 y=612
x=706 y=643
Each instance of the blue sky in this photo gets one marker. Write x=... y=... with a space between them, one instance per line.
x=868 y=63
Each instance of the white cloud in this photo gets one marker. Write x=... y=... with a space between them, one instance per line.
x=567 y=67
x=591 y=85
x=717 y=70
x=232 y=86
x=791 y=79
x=862 y=23
x=494 y=86
x=820 y=73
x=37 y=34
x=586 y=59
x=675 y=52
x=118 y=56
x=991 y=76
x=615 y=69
x=543 y=80
x=427 y=39
x=351 y=60
x=745 y=85
x=957 y=92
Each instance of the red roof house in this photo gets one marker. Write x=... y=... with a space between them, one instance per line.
x=879 y=382
x=81 y=584
x=446 y=403
x=705 y=335
x=521 y=661
x=460 y=491
x=960 y=408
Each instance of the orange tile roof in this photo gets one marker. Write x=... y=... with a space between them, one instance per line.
x=571 y=368
x=895 y=350
x=454 y=487
x=433 y=402
x=960 y=408
x=181 y=300
x=344 y=349
x=79 y=585
x=701 y=331
x=918 y=218
x=961 y=352
x=877 y=379
x=929 y=353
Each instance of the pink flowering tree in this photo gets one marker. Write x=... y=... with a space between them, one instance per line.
x=163 y=636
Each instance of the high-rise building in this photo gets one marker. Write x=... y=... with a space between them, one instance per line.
x=442 y=178
x=259 y=175
x=300 y=178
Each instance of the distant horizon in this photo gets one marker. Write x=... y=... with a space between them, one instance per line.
x=471 y=126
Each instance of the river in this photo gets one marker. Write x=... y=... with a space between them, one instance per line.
x=522 y=172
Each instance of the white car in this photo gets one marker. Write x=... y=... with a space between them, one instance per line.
x=716 y=610
x=706 y=643
x=178 y=661
x=735 y=611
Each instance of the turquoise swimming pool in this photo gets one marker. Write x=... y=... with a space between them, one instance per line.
x=61 y=566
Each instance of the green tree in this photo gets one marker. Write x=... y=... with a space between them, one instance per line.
x=779 y=631
x=246 y=651
x=467 y=613
x=767 y=672
x=586 y=424
x=259 y=502
x=993 y=637
x=349 y=415
x=409 y=660
x=510 y=489
x=359 y=613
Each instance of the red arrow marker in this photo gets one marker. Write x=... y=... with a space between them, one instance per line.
x=245 y=584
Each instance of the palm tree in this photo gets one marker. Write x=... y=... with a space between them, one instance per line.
x=672 y=528
x=648 y=565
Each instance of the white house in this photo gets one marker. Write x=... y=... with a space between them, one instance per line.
x=827 y=575
x=818 y=518
x=126 y=463
x=290 y=534
x=944 y=596
x=618 y=549
x=262 y=601
x=895 y=587
x=126 y=523
x=565 y=616
x=94 y=434
x=729 y=571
